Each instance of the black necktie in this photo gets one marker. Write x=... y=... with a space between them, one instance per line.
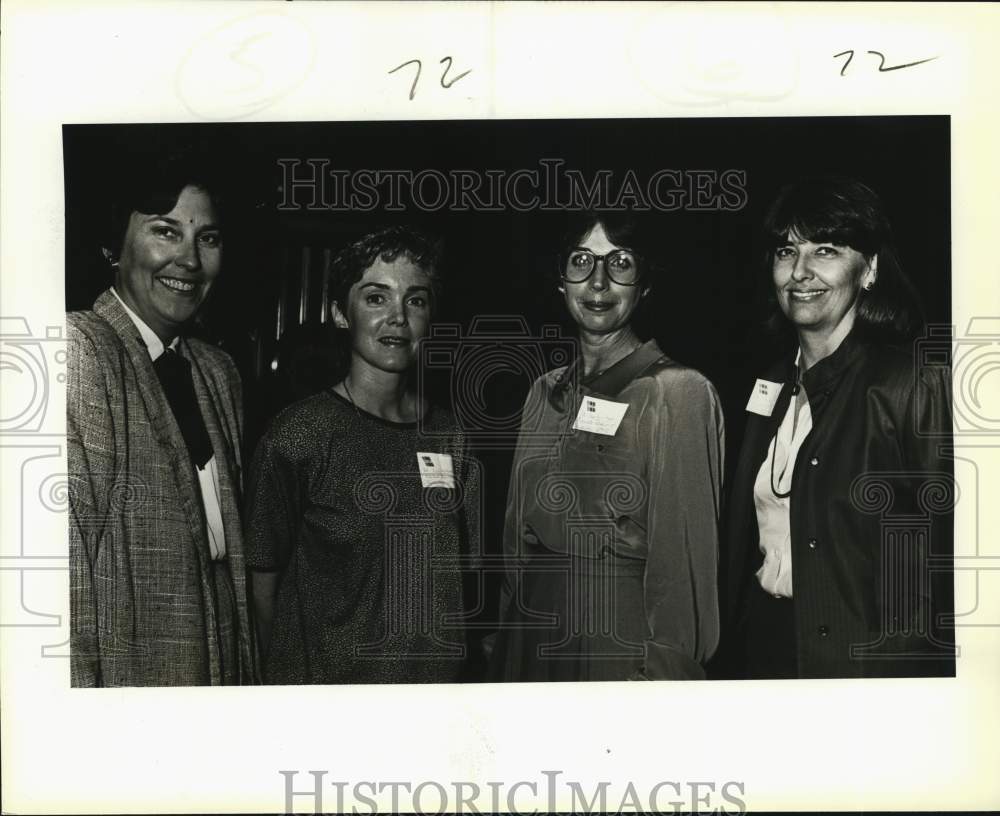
x=174 y=373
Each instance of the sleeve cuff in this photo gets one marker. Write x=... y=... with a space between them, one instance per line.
x=664 y=663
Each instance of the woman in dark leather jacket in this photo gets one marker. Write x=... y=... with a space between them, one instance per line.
x=839 y=526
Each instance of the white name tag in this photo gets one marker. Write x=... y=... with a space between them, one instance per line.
x=436 y=470
x=600 y=416
x=762 y=398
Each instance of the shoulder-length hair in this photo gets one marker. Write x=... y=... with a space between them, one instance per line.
x=845 y=212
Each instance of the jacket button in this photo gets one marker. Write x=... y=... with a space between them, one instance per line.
x=812 y=543
x=814 y=461
x=823 y=630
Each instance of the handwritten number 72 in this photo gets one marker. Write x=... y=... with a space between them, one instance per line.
x=882 y=67
x=445 y=82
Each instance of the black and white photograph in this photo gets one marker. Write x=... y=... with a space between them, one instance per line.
x=385 y=412
x=500 y=420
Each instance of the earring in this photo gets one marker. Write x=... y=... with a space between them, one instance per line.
x=869 y=286
x=113 y=262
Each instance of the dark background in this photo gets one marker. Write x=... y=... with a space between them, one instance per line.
x=706 y=308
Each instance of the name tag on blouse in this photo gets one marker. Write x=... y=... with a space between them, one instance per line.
x=436 y=470
x=600 y=416
x=763 y=397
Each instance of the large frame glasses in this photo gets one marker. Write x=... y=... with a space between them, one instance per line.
x=623 y=266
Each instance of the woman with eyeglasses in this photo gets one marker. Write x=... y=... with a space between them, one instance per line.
x=610 y=537
x=839 y=519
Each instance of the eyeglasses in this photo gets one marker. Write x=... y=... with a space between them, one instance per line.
x=621 y=265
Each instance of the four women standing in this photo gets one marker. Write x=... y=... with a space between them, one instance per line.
x=363 y=503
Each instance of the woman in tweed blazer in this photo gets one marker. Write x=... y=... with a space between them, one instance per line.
x=157 y=573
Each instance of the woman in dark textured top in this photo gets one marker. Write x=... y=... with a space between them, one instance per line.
x=362 y=503
x=612 y=513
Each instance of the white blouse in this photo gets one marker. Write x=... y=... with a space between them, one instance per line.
x=774 y=482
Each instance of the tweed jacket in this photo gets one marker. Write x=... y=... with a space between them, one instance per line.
x=142 y=584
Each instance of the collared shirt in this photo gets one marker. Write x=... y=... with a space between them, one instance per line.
x=208 y=476
x=772 y=491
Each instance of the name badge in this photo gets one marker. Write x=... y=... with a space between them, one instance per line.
x=763 y=397
x=436 y=470
x=600 y=416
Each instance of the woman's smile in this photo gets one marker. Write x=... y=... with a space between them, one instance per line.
x=179 y=286
x=806 y=295
x=817 y=283
x=598 y=305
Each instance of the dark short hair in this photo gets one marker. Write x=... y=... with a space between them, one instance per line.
x=623 y=229
x=388 y=243
x=846 y=212
x=153 y=186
